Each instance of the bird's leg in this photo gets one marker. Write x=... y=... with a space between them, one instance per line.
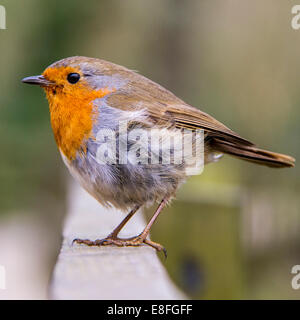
x=115 y=232
x=138 y=240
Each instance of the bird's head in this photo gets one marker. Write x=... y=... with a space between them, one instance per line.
x=79 y=76
x=72 y=85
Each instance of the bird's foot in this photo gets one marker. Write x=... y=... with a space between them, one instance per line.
x=129 y=242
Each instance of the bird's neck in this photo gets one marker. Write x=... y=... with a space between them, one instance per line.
x=72 y=117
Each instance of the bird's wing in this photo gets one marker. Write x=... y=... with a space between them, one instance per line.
x=163 y=107
x=191 y=118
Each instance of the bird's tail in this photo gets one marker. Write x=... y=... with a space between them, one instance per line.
x=251 y=153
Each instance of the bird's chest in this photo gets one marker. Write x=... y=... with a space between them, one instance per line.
x=72 y=123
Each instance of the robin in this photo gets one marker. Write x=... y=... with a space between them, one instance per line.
x=87 y=96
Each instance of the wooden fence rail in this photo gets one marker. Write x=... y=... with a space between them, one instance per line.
x=83 y=272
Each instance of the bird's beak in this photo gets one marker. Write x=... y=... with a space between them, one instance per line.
x=38 y=80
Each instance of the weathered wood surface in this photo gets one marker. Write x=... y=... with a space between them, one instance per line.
x=83 y=272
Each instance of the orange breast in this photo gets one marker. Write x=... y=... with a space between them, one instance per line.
x=72 y=116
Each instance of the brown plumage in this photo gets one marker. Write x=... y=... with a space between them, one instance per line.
x=165 y=108
x=252 y=153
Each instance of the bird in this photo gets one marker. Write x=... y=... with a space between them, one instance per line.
x=89 y=95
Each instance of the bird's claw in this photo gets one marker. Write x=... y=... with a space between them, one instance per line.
x=129 y=242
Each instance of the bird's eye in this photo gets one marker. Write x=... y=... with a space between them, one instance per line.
x=73 y=77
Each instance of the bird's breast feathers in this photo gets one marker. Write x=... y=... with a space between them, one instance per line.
x=72 y=117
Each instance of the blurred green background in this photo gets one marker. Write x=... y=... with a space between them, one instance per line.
x=234 y=231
